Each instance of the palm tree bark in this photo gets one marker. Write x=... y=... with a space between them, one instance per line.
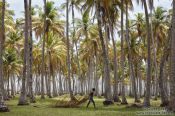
x=2 y=40
x=130 y=57
x=31 y=94
x=68 y=50
x=166 y=53
x=43 y=50
x=23 y=98
x=107 y=95
x=172 y=65
x=124 y=101
x=115 y=95
x=148 y=79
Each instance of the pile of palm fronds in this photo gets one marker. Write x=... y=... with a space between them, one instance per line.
x=71 y=103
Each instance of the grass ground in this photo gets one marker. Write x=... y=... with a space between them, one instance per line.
x=44 y=108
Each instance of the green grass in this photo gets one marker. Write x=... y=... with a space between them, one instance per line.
x=44 y=108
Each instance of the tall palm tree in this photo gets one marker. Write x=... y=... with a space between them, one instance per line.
x=108 y=95
x=23 y=97
x=2 y=40
x=172 y=66
x=68 y=50
x=124 y=101
x=130 y=56
x=30 y=47
x=43 y=50
x=148 y=79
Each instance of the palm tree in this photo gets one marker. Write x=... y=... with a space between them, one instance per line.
x=30 y=47
x=107 y=95
x=68 y=50
x=43 y=50
x=130 y=56
x=124 y=101
x=172 y=65
x=148 y=80
x=2 y=40
x=23 y=98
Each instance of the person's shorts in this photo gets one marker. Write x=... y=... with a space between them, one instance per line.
x=91 y=99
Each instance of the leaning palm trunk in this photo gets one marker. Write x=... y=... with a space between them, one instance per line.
x=148 y=79
x=108 y=95
x=23 y=99
x=172 y=65
x=124 y=101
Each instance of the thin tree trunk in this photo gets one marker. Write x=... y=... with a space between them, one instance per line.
x=124 y=101
x=108 y=95
x=43 y=50
x=172 y=65
x=130 y=57
x=166 y=52
x=23 y=99
x=68 y=51
x=31 y=94
x=2 y=40
x=148 y=79
x=115 y=95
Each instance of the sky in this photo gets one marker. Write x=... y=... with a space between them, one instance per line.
x=18 y=6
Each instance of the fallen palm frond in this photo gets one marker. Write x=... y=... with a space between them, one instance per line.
x=78 y=100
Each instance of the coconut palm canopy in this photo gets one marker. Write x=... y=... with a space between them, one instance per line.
x=71 y=46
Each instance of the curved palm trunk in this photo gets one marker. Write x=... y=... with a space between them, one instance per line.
x=124 y=101
x=43 y=50
x=148 y=79
x=68 y=50
x=23 y=98
x=108 y=95
x=172 y=65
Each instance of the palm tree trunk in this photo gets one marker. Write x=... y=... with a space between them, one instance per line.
x=31 y=94
x=23 y=99
x=172 y=65
x=115 y=95
x=68 y=51
x=148 y=79
x=2 y=39
x=124 y=101
x=60 y=84
x=108 y=95
x=130 y=57
x=163 y=94
x=43 y=50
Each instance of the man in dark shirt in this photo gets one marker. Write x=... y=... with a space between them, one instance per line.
x=91 y=95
